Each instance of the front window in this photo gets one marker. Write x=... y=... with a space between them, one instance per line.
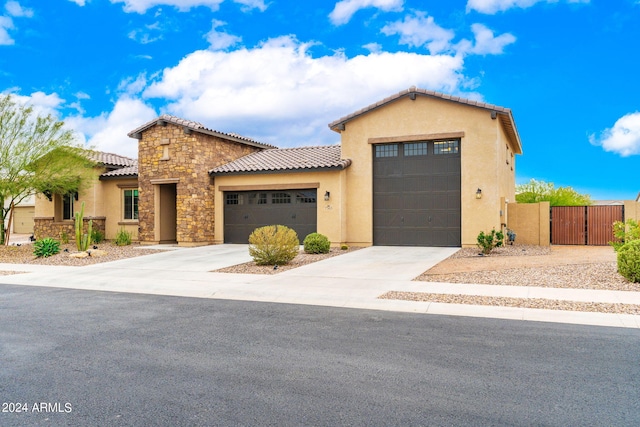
x=130 y=204
x=446 y=147
x=67 y=206
x=386 y=150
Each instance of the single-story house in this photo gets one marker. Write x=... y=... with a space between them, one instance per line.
x=417 y=168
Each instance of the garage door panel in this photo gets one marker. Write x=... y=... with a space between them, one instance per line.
x=387 y=218
x=295 y=209
x=420 y=204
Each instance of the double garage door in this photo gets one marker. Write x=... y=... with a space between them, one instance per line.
x=416 y=194
x=247 y=210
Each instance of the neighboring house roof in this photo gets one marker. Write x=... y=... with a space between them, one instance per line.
x=126 y=172
x=110 y=159
x=191 y=126
x=607 y=202
x=286 y=160
x=504 y=114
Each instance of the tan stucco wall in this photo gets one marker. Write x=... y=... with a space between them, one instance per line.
x=331 y=214
x=113 y=202
x=631 y=210
x=483 y=162
x=530 y=222
x=92 y=195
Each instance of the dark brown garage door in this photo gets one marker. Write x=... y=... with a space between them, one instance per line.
x=416 y=194
x=247 y=210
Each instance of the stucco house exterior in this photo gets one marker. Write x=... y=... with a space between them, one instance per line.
x=417 y=168
x=108 y=201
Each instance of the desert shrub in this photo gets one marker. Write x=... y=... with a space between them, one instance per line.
x=344 y=247
x=97 y=236
x=629 y=261
x=273 y=245
x=46 y=247
x=488 y=241
x=316 y=243
x=123 y=238
x=64 y=237
x=624 y=232
x=83 y=240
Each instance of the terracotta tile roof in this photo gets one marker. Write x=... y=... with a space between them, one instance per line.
x=110 y=159
x=129 y=171
x=286 y=160
x=504 y=114
x=196 y=127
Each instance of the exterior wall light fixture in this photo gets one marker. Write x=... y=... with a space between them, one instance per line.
x=479 y=194
x=327 y=195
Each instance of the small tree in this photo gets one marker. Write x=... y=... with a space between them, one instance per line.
x=36 y=155
x=539 y=191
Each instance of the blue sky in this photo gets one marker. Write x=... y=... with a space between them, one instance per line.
x=280 y=70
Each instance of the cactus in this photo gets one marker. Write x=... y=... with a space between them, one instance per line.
x=83 y=240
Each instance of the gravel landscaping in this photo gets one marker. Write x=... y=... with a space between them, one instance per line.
x=23 y=254
x=563 y=267
x=301 y=259
x=541 y=303
x=573 y=267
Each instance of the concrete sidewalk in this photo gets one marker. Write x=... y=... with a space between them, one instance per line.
x=354 y=280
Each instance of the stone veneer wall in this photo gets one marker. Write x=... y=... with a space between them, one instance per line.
x=168 y=152
x=47 y=227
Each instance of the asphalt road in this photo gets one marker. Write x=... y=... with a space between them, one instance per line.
x=82 y=358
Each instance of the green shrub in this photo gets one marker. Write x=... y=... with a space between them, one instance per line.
x=46 y=247
x=64 y=237
x=123 y=238
x=97 y=236
x=488 y=241
x=629 y=261
x=316 y=243
x=624 y=232
x=273 y=245
x=344 y=247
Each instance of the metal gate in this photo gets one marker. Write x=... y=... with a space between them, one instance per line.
x=584 y=225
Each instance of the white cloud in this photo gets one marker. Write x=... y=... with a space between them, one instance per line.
x=421 y=30
x=141 y=6
x=623 y=138
x=252 y=4
x=133 y=86
x=43 y=104
x=345 y=9
x=373 y=47
x=493 y=6
x=219 y=40
x=486 y=43
x=144 y=36
x=14 y=9
x=278 y=93
x=108 y=131
x=6 y=24
x=79 y=2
